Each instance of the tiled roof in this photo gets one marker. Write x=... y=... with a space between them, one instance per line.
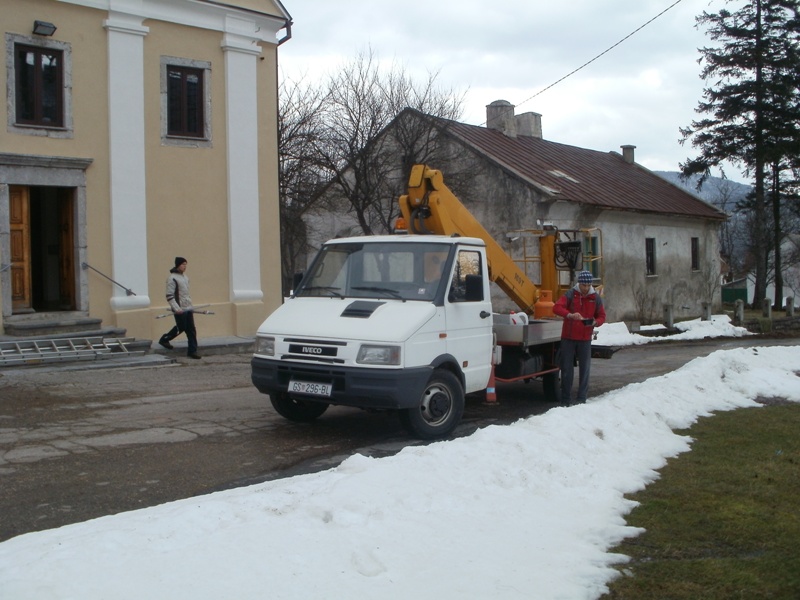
x=602 y=179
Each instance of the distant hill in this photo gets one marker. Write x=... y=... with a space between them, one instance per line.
x=722 y=193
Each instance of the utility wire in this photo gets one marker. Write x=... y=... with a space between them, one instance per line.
x=606 y=51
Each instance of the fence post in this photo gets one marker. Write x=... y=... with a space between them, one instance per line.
x=766 y=308
x=669 y=318
x=738 y=314
x=706 y=311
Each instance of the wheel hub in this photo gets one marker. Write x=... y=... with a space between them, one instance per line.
x=438 y=405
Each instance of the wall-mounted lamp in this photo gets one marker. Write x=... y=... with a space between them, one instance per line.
x=43 y=28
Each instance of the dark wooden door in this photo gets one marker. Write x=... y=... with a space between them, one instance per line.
x=66 y=255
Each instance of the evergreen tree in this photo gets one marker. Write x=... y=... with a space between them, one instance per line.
x=752 y=110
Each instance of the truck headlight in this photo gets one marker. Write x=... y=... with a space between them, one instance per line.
x=378 y=355
x=265 y=345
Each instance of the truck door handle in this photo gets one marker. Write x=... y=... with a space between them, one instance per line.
x=485 y=314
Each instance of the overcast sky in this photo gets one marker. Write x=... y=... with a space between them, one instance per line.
x=639 y=93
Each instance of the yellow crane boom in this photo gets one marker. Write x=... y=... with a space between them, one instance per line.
x=430 y=207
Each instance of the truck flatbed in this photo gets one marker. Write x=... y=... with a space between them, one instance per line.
x=537 y=331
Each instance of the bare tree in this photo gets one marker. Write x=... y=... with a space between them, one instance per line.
x=369 y=162
x=300 y=176
x=792 y=279
x=646 y=304
x=732 y=232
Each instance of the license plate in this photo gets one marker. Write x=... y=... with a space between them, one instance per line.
x=310 y=388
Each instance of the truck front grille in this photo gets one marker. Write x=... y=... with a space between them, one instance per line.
x=319 y=351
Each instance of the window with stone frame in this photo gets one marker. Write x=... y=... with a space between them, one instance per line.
x=185 y=86
x=39 y=86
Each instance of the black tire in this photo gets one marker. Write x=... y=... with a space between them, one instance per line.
x=551 y=382
x=300 y=411
x=440 y=409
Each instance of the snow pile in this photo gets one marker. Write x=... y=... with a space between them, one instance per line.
x=521 y=511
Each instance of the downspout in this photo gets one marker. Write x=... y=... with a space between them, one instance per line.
x=288 y=36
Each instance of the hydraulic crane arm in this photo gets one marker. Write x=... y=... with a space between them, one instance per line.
x=430 y=207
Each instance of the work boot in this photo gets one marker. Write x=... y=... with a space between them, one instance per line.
x=165 y=343
x=194 y=355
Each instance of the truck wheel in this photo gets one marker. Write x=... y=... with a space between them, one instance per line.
x=440 y=408
x=301 y=411
x=551 y=382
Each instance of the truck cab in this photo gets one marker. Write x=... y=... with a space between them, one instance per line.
x=396 y=322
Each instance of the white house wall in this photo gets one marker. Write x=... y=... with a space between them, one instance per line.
x=631 y=294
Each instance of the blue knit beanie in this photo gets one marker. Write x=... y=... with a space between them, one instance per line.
x=585 y=277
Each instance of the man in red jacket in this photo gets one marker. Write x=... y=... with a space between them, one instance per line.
x=582 y=309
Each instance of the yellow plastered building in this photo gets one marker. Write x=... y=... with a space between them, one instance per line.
x=137 y=131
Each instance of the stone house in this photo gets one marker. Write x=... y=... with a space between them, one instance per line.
x=649 y=242
x=137 y=131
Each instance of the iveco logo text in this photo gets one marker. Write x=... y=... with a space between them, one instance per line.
x=311 y=350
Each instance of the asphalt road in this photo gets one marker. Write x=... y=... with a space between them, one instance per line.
x=76 y=444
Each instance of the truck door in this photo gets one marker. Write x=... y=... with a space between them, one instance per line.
x=469 y=318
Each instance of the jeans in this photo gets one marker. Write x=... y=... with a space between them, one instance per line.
x=184 y=323
x=571 y=350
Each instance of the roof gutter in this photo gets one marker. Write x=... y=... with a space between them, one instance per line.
x=287 y=20
x=288 y=27
x=287 y=23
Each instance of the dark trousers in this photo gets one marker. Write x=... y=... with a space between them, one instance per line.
x=184 y=323
x=570 y=351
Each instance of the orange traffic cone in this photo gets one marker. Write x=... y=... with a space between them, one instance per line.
x=491 y=394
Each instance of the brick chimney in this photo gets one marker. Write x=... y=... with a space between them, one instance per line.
x=627 y=153
x=530 y=124
x=500 y=117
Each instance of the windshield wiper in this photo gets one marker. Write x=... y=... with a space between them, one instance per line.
x=334 y=291
x=382 y=290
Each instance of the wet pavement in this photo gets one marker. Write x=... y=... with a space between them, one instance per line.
x=80 y=442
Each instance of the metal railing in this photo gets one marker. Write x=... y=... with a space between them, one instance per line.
x=128 y=291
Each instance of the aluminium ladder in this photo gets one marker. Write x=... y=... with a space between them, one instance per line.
x=36 y=352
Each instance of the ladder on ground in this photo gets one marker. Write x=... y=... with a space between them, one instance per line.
x=37 y=352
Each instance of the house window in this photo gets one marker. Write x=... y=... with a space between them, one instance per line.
x=39 y=86
x=591 y=255
x=695 y=254
x=185 y=101
x=650 y=255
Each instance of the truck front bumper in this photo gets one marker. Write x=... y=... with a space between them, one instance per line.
x=352 y=386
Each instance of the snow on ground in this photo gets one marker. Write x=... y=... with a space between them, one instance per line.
x=527 y=510
x=616 y=334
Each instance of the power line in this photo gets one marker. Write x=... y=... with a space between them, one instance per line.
x=606 y=51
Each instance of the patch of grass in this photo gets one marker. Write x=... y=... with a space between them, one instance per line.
x=723 y=520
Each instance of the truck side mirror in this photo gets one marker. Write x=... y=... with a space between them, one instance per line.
x=474 y=288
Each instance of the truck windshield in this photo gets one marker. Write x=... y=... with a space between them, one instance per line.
x=407 y=271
